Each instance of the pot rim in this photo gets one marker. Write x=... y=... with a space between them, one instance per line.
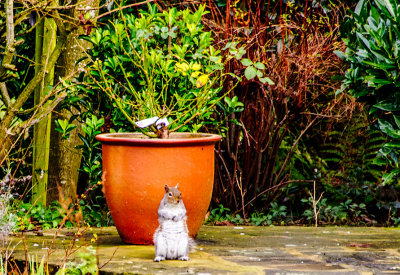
x=175 y=139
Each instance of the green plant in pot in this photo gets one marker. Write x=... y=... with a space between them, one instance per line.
x=159 y=70
x=160 y=66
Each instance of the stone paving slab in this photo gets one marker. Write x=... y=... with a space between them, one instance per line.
x=234 y=250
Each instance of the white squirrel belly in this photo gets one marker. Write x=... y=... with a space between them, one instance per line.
x=177 y=225
x=172 y=228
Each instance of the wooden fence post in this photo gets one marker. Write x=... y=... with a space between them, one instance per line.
x=46 y=36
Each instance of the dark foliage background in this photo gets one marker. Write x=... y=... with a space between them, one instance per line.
x=294 y=131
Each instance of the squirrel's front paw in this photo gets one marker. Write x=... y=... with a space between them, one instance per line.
x=178 y=218
x=184 y=258
x=159 y=259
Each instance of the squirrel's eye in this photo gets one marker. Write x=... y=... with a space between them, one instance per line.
x=170 y=194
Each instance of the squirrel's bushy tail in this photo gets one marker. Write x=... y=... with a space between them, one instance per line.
x=192 y=245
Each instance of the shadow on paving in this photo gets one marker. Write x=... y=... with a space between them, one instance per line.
x=233 y=250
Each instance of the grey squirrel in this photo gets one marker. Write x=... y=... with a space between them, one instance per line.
x=171 y=238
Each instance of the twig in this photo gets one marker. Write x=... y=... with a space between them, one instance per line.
x=315 y=204
x=112 y=256
x=321 y=115
x=26 y=253
x=124 y=7
x=288 y=156
x=58 y=230
x=271 y=188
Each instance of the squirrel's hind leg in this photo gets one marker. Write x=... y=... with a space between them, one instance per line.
x=183 y=248
x=160 y=247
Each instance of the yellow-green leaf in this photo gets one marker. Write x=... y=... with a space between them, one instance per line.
x=196 y=67
x=201 y=81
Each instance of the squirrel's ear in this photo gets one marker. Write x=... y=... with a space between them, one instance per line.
x=177 y=186
x=166 y=188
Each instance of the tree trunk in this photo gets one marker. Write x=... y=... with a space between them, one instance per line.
x=65 y=159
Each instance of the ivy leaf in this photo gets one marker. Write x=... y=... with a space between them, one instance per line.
x=250 y=72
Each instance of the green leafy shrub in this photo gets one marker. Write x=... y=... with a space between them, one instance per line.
x=158 y=64
x=276 y=214
x=87 y=263
x=32 y=216
x=259 y=219
x=330 y=212
x=91 y=153
x=95 y=212
x=221 y=214
x=27 y=216
x=92 y=203
x=371 y=34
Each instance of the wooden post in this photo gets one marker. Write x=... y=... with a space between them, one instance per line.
x=45 y=43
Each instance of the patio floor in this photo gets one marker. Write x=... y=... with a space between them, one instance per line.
x=232 y=250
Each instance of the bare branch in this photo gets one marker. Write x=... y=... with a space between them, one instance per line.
x=124 y=7
x=9 y=52
x=292 y=148
x=6 y=63
x=282 y=183
x=10 y=44
x=9 y=24
x=4 y=94
x=45 y=110
x=28 y=90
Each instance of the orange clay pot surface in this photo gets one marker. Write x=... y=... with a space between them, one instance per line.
x=136 y=168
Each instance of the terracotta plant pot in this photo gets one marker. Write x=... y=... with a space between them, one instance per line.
x=136 y=168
